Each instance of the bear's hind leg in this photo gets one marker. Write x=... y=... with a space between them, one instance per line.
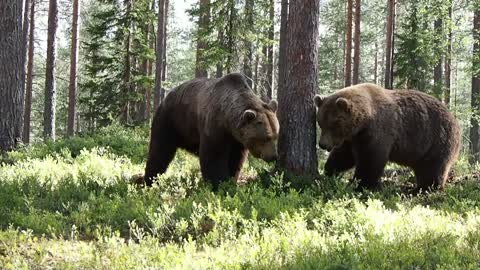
x=432 y=175
x=339 y=160
x=162 y=150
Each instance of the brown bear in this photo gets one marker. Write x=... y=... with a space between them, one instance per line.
x=219 y=120
x=365 y=126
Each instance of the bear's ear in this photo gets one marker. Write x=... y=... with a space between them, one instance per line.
x=273 y=105
x=343 y=104
x=249 y=115
x=318 y=100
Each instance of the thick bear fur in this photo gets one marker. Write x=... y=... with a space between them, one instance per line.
x=219 y=120
x=365 y=126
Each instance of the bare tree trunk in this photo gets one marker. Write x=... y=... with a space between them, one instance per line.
x=375 y=64
x=23 y=59
x=72 y=87
x=164 y=68
x=348 y=53
x=220 y=37
x=356 y=55
x=282 y=58
x=128 y=65
x=437 y=72
x=11 y=34
x=297 y=146
x=159 y=92
x=28 y=95
x=248 y=59
x=475 y=100
x=229 y=36
x=448 y=61
x=50 y=99
x=389 y=44
x=256 y=79
x=271 y=37
x=203 y=22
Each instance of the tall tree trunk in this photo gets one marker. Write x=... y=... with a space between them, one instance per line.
x=28 y=95
x=50 y=99
x=375 y=64
x=72 y=87
x=165 y=24
x=356 y=55
x=203 y=22
x=448 y=60
x=11 y=34
x=256 y=79
x=271 y=37
x=159 y=92
x=348 y=52
x=389 y=44
x=297 y=146
x=475 y=101
x=127 y=62
x=143 y=113
x=220 y=37
x=151 y=42
x=248 y=59
x=437 y=72
x=230 y=36
x=283 y=46
x=23 y=59
x=263 y=72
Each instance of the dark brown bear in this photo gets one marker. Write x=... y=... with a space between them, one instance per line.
x=219 y=120
x=365 y=126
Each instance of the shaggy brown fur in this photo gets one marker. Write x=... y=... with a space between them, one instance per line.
x=219 y=120
x=366 y=126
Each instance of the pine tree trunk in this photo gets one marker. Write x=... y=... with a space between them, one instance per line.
x=203 y=22
x=297 y=141
x=282 y=58
x=375 y=64
x=271 y=37
x=356 y=56
x=230 y=36
x=127 y=62
x=389 y=44
x=437 y=73
x=448 y=61
x=72 y=87
x=475 y=101
x=220 y=37
x=159 y=92
x=10 y=72
x=50 y=91
x=23 y=59
x=28 y=95
x=165 y=24
x=348 y=52
x=248 y=59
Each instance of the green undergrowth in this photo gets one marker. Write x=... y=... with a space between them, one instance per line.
x=70 y=206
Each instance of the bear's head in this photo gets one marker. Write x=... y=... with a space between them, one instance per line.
x=340 y=116
x=258 y=131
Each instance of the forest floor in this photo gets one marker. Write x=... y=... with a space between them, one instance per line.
x=70 y=205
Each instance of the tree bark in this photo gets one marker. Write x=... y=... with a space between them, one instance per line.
x=356 y=55
x=437 y=72
x=271 y=37
x=248 y=59
x=282 y=58
x=159 y=92
x=11 y=34
x=72 y=87
x=297 y=141
x=475 y=100
x=448 y=60
x=375 y=64
x=23 y=45
x=220 y=37
x=203 y=22
x=389 y=44
x=165 y=36
x=28 y=95
x=50 y=91
x=348 y=52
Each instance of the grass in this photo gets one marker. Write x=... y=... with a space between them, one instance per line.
x=70 y=205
